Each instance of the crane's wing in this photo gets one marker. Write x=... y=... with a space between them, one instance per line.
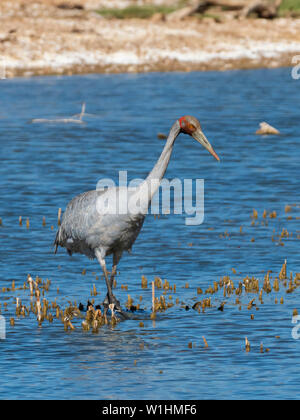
x=78 y=219
x=98 y=219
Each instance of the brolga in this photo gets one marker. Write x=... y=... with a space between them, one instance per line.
x=99 y=223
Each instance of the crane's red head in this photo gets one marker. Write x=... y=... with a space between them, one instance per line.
x=191 y=126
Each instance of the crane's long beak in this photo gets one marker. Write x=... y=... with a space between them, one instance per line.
x=200 y=137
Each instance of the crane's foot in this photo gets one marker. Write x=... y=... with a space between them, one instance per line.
x=117 y=306
x=111 y=299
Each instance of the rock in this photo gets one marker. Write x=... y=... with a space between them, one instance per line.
x=266 y=128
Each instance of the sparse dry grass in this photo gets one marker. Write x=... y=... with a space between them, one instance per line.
x=138 y=12
x=290 y=7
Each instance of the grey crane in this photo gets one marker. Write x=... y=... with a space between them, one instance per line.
x=93 y=223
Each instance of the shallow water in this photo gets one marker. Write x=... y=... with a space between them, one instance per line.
x=43 y=166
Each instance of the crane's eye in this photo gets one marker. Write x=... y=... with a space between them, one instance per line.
x=192 y=128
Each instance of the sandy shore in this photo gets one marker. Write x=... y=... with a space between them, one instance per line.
x=40 y=38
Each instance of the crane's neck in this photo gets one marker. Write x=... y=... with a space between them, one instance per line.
x=150 y=185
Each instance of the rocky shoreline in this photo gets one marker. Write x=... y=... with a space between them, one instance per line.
x=44 y=40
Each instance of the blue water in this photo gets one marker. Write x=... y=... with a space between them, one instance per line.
x=44 y=165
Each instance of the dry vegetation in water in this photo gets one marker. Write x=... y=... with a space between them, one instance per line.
x=233 y=291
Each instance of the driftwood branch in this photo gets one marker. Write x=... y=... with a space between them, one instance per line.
x=267 y=9
x=75 y=120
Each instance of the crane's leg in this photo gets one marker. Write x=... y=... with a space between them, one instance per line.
x=110 y=298
x=116 y=258
x=101 y=258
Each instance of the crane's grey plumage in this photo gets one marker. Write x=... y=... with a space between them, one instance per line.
x=88 y=227
x=83 y=229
